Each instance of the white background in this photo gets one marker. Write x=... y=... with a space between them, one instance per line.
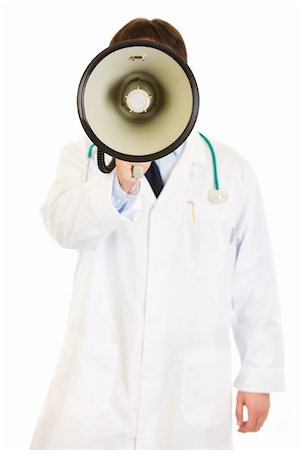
x=245 y=58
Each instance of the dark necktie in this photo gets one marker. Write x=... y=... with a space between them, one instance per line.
x=154 y=177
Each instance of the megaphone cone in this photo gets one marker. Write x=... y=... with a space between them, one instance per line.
x=138 y=100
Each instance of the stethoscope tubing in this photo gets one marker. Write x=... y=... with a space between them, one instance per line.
x=213 y=160
x=215 y=172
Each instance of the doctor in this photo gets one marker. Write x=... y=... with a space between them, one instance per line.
x=162 y=275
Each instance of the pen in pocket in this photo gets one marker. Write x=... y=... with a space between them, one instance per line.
x=193 y=209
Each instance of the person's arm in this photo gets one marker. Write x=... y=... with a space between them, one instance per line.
x=256 y=321
x=79 y=213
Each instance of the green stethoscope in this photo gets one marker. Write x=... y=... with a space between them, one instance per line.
x=215 y=195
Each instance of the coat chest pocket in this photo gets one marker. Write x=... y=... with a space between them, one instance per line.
x=206 y=386
x=205 y=237
x=84 y=377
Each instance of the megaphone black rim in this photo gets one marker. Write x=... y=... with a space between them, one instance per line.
x=87 y=127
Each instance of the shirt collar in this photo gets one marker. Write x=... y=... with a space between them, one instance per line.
x=179 y=150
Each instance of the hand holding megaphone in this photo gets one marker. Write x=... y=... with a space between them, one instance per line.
x=129 y=173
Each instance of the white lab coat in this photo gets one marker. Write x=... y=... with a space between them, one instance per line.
x=145 y=361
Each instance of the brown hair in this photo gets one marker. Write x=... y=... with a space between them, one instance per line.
x=156 y=30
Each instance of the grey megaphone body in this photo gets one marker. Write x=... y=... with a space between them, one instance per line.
x=137 y=101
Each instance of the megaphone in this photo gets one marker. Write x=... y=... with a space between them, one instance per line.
x=137 y=101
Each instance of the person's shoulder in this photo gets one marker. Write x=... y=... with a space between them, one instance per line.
x=76 y=151
x=227 y=152
x=236 y=165
x=81 y=144
x=73 y=157
x=229 y=155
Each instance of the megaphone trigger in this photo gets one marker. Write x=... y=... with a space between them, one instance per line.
x=137 y=172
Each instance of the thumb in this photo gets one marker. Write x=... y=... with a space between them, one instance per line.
x=239 y=410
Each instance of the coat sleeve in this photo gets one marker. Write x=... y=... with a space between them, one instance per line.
x=79 y=213
x=256 y=319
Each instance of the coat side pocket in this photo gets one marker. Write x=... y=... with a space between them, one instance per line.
x=84 y=377
x=206 y=386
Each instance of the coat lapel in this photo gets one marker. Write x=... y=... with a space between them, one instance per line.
x=195 y=151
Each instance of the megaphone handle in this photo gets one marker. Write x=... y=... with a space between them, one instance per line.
x=137 y=172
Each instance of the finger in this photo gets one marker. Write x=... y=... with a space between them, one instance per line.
x=259 y=423
x=239 y=411
x=250 y=425
x=134 y=187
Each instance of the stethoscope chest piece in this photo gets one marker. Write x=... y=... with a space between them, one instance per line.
x=217 y=196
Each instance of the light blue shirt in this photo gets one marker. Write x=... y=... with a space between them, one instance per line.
x=120 y=199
